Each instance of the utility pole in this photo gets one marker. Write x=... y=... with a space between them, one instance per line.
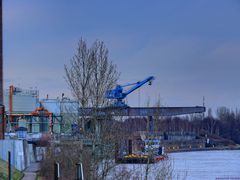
x=203 y=114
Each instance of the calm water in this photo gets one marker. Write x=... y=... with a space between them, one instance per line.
x=199 y=165
x=207 y=164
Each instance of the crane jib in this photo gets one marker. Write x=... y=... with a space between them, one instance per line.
x=118 y=94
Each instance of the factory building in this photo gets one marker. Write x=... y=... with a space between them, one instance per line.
x=24 y=110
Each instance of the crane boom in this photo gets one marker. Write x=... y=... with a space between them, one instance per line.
x=119 y=95
x=139 y=84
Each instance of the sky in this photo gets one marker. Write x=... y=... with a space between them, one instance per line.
x=191 y=47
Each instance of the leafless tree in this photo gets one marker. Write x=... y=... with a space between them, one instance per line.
x=211 y=122
x=79 y=72
x=89 y=75
x=162 y=169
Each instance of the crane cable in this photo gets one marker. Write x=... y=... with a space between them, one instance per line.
x=139 y=97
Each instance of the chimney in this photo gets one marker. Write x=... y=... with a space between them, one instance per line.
x=1 y=55
x=2 y=121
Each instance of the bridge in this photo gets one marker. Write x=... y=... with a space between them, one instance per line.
x=141 y=111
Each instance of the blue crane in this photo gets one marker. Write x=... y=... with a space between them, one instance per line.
x=118 y=94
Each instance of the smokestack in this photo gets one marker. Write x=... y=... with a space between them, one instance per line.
x=2 y=123
x=1 y=55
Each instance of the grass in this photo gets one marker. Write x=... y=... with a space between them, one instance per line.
x=39 y=178
x=16 y=175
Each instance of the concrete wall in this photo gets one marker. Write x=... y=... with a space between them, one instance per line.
x=21 y=153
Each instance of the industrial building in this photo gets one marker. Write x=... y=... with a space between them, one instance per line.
x=63 y=108
x=24 y=109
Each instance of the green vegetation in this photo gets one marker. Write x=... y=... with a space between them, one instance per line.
x=16 y=175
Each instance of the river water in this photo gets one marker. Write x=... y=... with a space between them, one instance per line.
x=203 y=165
x=198 y=165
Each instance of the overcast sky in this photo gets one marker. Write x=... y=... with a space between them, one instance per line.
x=191 y=47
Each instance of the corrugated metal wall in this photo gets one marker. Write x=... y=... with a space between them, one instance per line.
x=21 y=153
x=22 y=102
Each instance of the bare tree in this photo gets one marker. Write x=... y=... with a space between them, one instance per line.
x=79 y=72
x=210 y=122
x=89 y=75
x=104 y=75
